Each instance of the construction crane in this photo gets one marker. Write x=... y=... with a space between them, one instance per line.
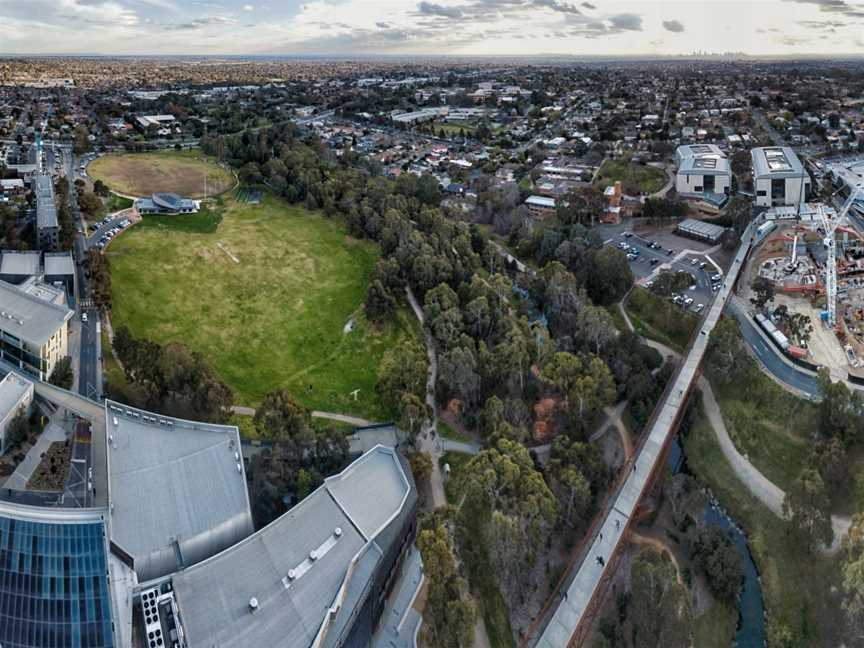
x=829 y=224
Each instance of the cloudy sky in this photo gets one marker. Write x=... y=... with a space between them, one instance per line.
x=456 y=27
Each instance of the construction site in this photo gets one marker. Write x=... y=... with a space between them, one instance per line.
x=817 y=311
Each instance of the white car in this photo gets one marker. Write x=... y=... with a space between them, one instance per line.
x=84 y=317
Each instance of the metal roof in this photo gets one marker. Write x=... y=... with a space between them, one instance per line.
x=28 y=317
x=46 y=210
x=177 y=489
x=308 y=570
x=776 y=162
x=20 y=263
x=59 y=263
x=705 y=164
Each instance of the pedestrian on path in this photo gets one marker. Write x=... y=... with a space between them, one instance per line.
x=600 y=561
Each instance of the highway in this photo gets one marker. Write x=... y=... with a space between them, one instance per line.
x=570 y=612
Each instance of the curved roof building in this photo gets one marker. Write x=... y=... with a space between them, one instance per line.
x=166 y=203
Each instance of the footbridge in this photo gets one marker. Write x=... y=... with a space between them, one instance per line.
x=568 y=615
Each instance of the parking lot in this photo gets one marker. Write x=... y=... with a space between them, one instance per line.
x=110 y=227
x=648 y=258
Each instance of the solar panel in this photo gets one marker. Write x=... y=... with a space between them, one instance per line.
x=53 y=585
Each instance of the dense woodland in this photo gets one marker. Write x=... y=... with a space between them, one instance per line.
x=503 y=342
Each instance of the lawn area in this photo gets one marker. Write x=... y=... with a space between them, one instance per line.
x=797 y=587
x=272 y=318
x=635 y=178
x=769 y=425
x=715 y=628
x=117 y=203
x=456 y=129
x=659 y=319
x=141 y=174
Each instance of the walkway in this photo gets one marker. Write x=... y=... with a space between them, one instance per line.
x=356 y=421
x=571 y=616
x=51 y=434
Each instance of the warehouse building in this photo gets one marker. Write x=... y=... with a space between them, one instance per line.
x=700 y=230
x=779 y=178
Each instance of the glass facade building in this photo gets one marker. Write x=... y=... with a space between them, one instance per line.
x=54 y=585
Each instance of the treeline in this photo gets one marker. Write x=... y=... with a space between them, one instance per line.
x=171 y=379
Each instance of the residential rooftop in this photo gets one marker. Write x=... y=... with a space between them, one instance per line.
x=29 y=318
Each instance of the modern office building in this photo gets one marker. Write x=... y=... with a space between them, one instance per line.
x=34 y=332
x=846 y=175
x=779 y=178
x=703 y=171
x=47 y=225
x=54 y=578
x=16 y=395
x=170 y=558
x=166 y=203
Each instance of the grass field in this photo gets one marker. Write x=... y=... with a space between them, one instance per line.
x=769 y=425
x=799 y=589
x=273 y=318
x=659 y=319
x=635 y=178
x=141 y=174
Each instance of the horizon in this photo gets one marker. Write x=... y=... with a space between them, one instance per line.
x=452 y=28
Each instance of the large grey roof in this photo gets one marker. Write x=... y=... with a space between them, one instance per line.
x=28 y=317
x=59 y=263
x=46 y=210
x=20 y=263
x=177 y=491
x=776 y=162
x=705 y=164
x=296 y=593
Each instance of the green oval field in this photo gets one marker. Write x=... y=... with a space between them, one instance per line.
x=264 y=293
x=142 y=174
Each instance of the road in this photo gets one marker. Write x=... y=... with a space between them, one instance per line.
x=776 y=138
x=798 y=379
x=573 y=607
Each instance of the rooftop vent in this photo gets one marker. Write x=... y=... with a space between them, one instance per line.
x=313 y=555
x=253 y=604
x=338 y=532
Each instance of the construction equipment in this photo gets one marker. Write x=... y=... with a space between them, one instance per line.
x=830 y=221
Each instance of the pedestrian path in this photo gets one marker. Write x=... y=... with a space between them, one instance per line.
x=51 y=434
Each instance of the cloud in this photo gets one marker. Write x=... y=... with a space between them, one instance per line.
x=556 y=5
x=835 y=6
x=626 y=22
x=382 y=25
x=673 y=26
x=198 y=23
x=588 y=5
x=433 y=9
x=248 y=8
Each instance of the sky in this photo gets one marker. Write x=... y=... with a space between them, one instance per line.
x=423 y=27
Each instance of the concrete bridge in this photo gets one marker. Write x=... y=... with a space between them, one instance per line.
x=567 y=617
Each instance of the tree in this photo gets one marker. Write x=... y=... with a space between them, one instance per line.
x=589 y=387
x=412 y=412
x=724 y=356
x=506 y=512
x=840 y=411
x=421 y=466
x=403 y=369
x=609 y=276
x=281 y=417
x=380 y=304
x=458 y=371
x=716 y=556
x=763 y=289
x=450 y=613
x=829 y=458
x=661 y=606
x=853 y=579
x=806 y=505
x=62 y=375
x=18 y=430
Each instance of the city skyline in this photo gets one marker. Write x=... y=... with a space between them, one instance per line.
x=441 y=27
